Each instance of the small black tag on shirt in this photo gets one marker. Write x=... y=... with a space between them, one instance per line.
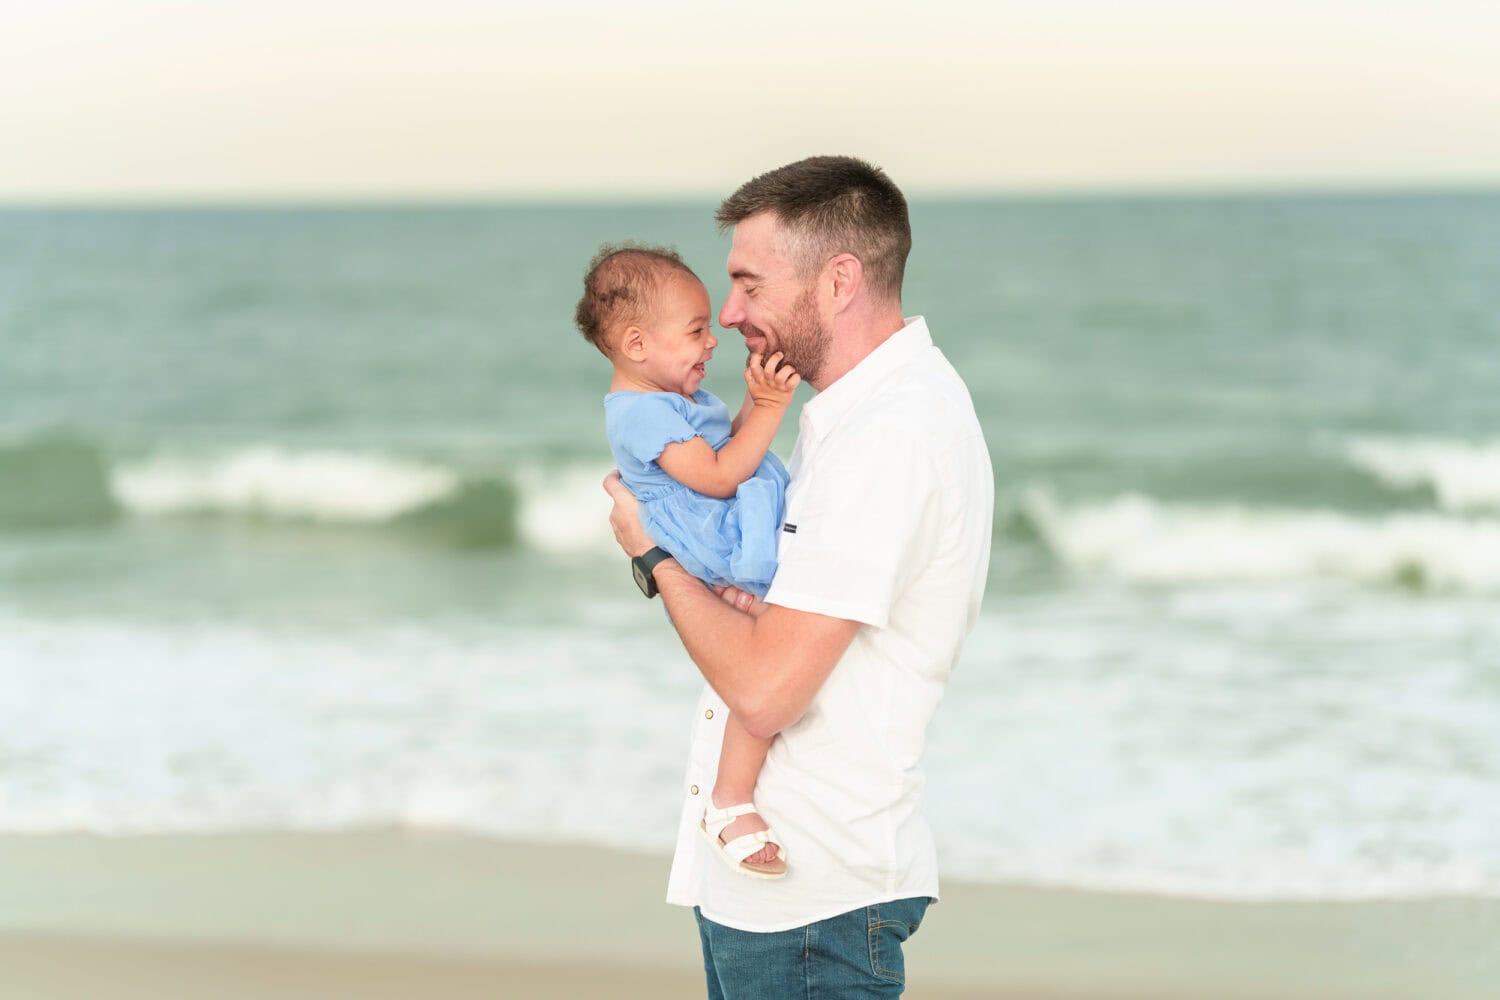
x=789 y=528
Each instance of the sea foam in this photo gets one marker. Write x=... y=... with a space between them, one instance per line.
x=562 y=509
x=1143 y=539
x=1463 y=476
x=327 y=486
x=565 y=509
x=1088 y=742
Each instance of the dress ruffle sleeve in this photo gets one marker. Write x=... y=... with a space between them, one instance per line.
x=648 y=422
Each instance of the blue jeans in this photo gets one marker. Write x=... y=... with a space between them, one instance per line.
x=855 y=954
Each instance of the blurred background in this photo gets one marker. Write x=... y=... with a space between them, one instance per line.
x=300 y=525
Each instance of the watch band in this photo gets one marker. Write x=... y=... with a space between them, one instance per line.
x=644 y=565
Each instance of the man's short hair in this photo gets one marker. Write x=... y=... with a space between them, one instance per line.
x=620 y=288
x=831 y=205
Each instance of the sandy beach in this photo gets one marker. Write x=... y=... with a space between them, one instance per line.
x=401 y=914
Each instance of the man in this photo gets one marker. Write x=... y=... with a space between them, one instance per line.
x=881 y=567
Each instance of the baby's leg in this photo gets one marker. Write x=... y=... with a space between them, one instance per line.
x=740 y=762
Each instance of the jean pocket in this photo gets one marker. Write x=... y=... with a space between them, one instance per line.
x=889 y=925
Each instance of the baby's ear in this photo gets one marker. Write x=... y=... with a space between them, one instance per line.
x=633 y=343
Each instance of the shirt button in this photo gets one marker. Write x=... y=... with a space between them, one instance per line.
x=694 y=789
x=708 y=714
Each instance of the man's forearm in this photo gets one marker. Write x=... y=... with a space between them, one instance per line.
x=717 y=636
x=766 y=668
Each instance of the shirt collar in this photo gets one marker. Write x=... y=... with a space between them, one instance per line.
x=828 y=407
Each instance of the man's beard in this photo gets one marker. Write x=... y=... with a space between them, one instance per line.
x=802 y=338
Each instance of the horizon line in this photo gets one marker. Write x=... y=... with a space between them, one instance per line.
x=584 y=198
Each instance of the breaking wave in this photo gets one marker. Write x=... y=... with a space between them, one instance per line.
x=1463 y=477
x=1145 y=540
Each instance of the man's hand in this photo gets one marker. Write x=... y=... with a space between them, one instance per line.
x=625 y=519
x=770 y=385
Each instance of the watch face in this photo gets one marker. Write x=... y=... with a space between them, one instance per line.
x=641 y=579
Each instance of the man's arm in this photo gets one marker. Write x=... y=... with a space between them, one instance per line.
x=766 y=666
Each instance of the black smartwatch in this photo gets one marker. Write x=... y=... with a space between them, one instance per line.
x=642 y=566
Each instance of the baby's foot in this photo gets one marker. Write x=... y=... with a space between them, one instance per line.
x=748 y=823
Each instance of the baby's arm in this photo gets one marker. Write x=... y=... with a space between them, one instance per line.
x=695 y=464
x=746 y=408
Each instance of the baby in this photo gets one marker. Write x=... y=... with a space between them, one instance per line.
x=711 y=494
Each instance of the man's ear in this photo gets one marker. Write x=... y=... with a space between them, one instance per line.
x=633 y=343
x=847 y=276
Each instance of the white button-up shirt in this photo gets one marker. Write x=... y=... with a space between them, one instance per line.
x=888 y=524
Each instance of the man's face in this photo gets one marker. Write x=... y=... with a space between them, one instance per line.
x=769 y=304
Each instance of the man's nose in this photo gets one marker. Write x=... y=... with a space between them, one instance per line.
x=731 y=314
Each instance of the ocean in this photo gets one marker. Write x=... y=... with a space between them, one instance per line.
x=301 y=529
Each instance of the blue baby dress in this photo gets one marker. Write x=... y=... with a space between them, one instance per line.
x=720 y=541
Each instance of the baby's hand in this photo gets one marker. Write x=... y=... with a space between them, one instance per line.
x=768 y=384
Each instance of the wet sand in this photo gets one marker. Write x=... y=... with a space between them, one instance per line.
x=402 y=914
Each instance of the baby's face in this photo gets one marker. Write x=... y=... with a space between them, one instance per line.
x=679 y=336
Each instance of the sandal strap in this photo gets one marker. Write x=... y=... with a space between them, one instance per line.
x=715 y=820
x=741 y=848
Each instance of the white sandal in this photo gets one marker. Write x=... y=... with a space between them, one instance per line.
x=737 y=850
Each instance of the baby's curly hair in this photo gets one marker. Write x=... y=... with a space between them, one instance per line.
x=620 y=288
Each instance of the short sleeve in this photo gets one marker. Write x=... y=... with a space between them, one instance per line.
x=855 y=528
x=643 y=424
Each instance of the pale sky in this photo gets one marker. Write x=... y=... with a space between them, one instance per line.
x=209 y=99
